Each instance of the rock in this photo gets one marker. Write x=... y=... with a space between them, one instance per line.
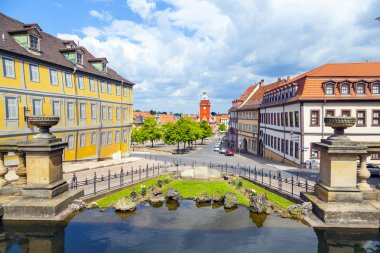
x=172 y=194
x=77 y=205
x=156 y=192
x=230 y=200
x=217 y=197
x=92 y=205
x=300 y=209
x=125 y=205
x=102 y=210
x=156 y=198
x=203 y=198
x=260 y=204
x=284 y=213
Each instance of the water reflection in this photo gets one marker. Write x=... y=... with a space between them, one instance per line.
x=187 y=229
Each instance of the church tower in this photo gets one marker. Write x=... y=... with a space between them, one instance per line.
x=205 y=108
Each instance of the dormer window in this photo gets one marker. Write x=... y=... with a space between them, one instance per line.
x=34 y=42
x=360 y=89
x=345 y=89
x=79 y=58
x=104 y=67
x=376 y=89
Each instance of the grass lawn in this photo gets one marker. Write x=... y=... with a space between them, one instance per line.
x=111 y=199
x=191 y=188
x=278 y=200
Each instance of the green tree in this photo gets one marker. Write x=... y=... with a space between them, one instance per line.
x=206 y=130
x=171 y=134
x=151 y=130
x=222 y=127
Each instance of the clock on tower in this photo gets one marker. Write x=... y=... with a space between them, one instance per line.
x=205 y=108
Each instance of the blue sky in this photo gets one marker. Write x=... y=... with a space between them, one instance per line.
x=175 y=49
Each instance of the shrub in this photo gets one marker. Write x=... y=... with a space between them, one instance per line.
x=143 y=190
x=233 y=181
x=133 y=194
x=166 y=180
x=159 y=183
x=239 y=183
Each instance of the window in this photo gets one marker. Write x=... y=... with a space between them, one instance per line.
x=70 y=111
x=125 y=114
x=93 y=138
x=70 y=142
x=104 y=67
x=314 y=153
x=329 y=89
x=109 y=138
x=330 y=113
x=93 y=111
x=124 y=91
x=11 y=108
x=109 y=88
x=376 y=118
x=278 y=144
x=82 y=109
x=92 y=84
x=103 y=139
x=291 y=119
x=117 y=113
x=282 y=145
x=117 y=136
x=82 y=140
x=296 y=119
x=68 y=80
x=375 y=156
x=80 y=82
x=34 y=74
x=53 y=77
x=360 y=118
x=291 y=148
x=104 y=112
x=360 y=89
x=314 y=118
x=287 y=147
x=345 y=90
x=271 y=141
x=282 y=119
x=109 y=113
x=8 y=67
x=376 y=89
x=346 y=113
x=124 y=135
x=296 y=150
x=275 y=142
x=286 y=119
x=37 y=107
x=56 y=106
x=102 y=87
x=33 y=42
x=118 y=90
x=79 y=58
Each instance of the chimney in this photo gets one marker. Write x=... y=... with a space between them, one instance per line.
x=288 y=78
x=262 y=81
x=279 y=79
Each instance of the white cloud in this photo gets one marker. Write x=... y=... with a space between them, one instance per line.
x=223 y=46
x=144 y=8
x=101 y=15
x=59 y=5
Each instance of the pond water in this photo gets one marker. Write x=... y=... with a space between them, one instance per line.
x=181 y=227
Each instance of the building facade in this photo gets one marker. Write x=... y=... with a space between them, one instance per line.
x=44 y=75
x=205 y=108
x=292 y=113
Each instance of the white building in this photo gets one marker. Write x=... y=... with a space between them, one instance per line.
x=292 y=114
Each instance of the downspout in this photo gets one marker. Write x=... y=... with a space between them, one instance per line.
x=100 y=120
x=77 y=114
x=323 y=118
x=283 y=151
x=302 y=133
x=121 y=118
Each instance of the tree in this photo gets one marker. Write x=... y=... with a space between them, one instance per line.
x=222 y=127
x=151 y=130
x=206 y=130
x=171 y=134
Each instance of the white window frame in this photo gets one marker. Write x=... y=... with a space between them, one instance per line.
x=357 y=89
x=117 y=90
x=102 y=87
x=110 y=112
x=51 y=74
x=53 y=107
x=34 y=103
x=117 y=113
x=82 y=140
x=124 y=91
x=109 y=88
x=68 y=76
x=34 y=74
x=82 y=110
x=81 y=82
x=104 y=112
x=91 y=84
x=124 y=136
x=30 y=42
x=79 y=58
x=125 y=113
x=103 y=138
x=11 y=110
x=9 y=67
x=93 y=138
x=109 y=138
x=70 y=142
x=377 y=86
x=117 y=136
x=93 y=111
x=70 y=115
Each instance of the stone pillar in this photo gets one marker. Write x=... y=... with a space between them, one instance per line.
x=3 y=169
x=363 y=174
x=21 y=169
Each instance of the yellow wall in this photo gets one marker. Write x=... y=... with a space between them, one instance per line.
x=26 y=90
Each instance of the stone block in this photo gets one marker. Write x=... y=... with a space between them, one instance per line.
x=342 y=194
x=45 y=191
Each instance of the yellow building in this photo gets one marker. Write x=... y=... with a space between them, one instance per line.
x=43 y=75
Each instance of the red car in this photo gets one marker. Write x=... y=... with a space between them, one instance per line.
x=229 y=152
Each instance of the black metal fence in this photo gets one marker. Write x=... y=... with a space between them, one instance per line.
x=274 y=179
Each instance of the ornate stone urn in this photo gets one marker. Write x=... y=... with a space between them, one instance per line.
x=339 y=124
x=44 y=123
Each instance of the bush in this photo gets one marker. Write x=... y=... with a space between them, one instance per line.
x=133 y=194
x=166 y=180
x=233 y=181
x=143 y=190
x=239 y=183
x=159 y=183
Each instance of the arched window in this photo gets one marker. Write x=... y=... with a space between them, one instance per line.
x=329 y=87
x=360 y=89
x=375 y=88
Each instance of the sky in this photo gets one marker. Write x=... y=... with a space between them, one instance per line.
x=175 y=49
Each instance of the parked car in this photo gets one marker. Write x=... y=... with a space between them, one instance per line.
x=373 y=169
x=216 y=148
x=222 y=150
x=229 y=152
